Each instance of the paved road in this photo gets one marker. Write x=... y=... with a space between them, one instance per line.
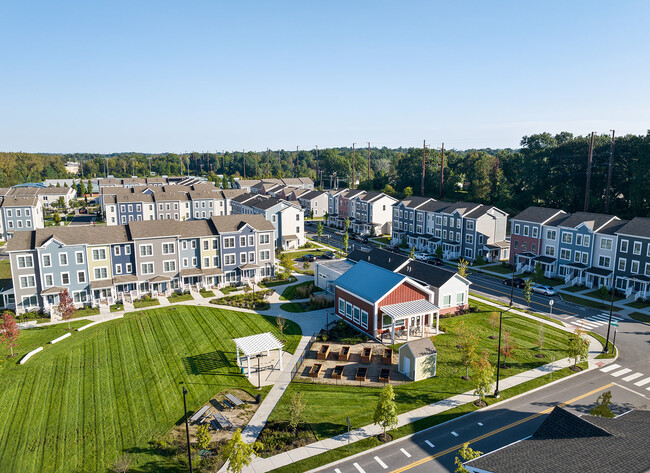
x=82 y=219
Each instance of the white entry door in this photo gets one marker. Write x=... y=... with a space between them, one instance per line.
x=406 y=369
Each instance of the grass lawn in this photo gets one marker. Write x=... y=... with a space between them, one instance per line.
x=142 y=303
x=574 y=289
x=117 y=307
x=608 y=298
x=381 y=240
x=180 y=298
x=86 y=312
x=601 y=339
x=206 y=293
x=228 y=289
x=113 y=388
x=5 y=273
x=294 y=307
x=299 y=254
x=290 y=293
x=582 y=301
x=638 y=304
x=498 y=268
x=328 y=405
x=640 y=316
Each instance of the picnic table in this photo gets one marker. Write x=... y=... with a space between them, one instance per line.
x=234 y=400
x=198 y=414
x=222 y=421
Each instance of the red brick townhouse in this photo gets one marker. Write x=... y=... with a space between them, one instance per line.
x=382 y=303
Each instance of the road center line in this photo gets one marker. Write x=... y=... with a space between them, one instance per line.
x=454 y=433
x=429 y=444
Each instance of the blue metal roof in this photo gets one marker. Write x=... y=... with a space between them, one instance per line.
x=369 y=281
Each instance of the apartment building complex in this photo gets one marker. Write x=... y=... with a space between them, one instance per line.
x=46 y=195
x=462 y=229
x=101 y=265
x=20 y=214
x=262 y=186
x=368 y=212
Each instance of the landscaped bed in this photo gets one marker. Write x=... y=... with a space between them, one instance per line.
x=145 y=301
x=299 y=291
x=316 y=302
x=253 y=300
x=180 y=297
x=117 y=387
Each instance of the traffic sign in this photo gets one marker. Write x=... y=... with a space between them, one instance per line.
x=615 y=324
x=551 y=302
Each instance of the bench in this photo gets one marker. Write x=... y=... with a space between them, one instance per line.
x=338 y=372
x=314 y=372
x=323 y=353
x=361 y=374
x=198 y=414
x=387 y=359
x=344 y=354
x=227 y=404
x=366 y=355
x=215 y=425
x=384 y=375
x=222 y=421
x=234 y=400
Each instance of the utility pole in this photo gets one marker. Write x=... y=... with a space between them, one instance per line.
x=223 y=155
x=609 y=173
x=243 y=152
x=296 y=160
x=591 y=152
x=180 y=158
x=150 y=165
x=318 y=168
x=424 y=162
x=268 y=164
x=368 y=161
x=279 y=165
x=354 y=175
x=442 y=169
x=133 y=166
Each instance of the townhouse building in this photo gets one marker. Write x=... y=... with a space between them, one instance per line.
x=314 y=203
x=20 y=214
x=633 y=258
x=462 y=229
x=101 y=265
x=48 y=196
x=254 y=185
x=135 y=182
x=286 y=217
x=368 y=212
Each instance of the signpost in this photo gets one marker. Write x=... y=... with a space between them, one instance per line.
x=550 y=303
x=348 y=419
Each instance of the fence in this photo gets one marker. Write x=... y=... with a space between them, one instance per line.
x=295 y=369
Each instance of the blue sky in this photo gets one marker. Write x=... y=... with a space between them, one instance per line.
x=110 y=76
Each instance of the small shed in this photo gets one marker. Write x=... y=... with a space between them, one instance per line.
x=417 y=359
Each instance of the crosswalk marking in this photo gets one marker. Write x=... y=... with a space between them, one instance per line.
x=621 y=372
x=609 y=368
x=359 y=469
x=480 y=424
x=381 y=463
x=643 y=382
x=633 y=376
x=429 y=444
x=408 y=455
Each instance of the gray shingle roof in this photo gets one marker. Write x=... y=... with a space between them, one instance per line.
x=638 y=226
x=381 y=258
x=593 y=221
x=537 y=214
x=421 y=347
x=426 y=273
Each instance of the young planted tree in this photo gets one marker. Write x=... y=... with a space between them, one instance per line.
x=540 y=340
x=483 y=377
x=538 y=274
x=296 y=408
x=56 y=218
x=462 y=267
x=122 y=464
x=319 y=230
x=66 y=306
x=412 y=252
x=346 y=240
x=238 y=453
x=602 y=293
x=578 y=346
x=305 y=265
x=438 y=251
x=528 y=290
x=468 y=342
x=465 y=454
x=9 y=331
x=493 y=320
x=508 y=348
x=386 y=410
x=602 y=407
x=408 y=191
x=203 y=438
x=281 y=322
x=347 y=224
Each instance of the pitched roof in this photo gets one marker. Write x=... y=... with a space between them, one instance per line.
x=638 y=226
x=382 y=258
x=11 y=201
x=538 y=214
x=426 y=273
x=593 y=221
x=568 y=443
x=421 y=347
x=78 y=235
x=415 y=200
x=309 y=195
x=368 y=281
x=232 y=223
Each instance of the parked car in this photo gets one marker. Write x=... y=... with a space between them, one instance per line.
x=422 y=256
x=435 y=261
x=545 y=290
x=517 y=282
x=329 y=255
x=339 y=232
x=309 y=258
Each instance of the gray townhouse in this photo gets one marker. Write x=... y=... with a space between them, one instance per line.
x=47 y=195
x=248 y=184
x=101 y=265
x=20 y=214
x=633 y=258
x=313 y=202
x=371 y=213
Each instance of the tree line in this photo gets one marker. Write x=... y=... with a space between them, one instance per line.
x=547 y=170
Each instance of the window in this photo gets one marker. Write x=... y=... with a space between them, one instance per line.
x=469 y=239
x=516 y=244
x=606 y=244
x=565 y=254
x=99 y=254
x=621 y=264
x=364 y=319
x=567 y=238
x=356 y=315
x=63 y=259
x=30 y=301
x=265 y=255
x=27 y=281
x=460 y=298
x=146 y=250
x=524 y=246
x=65 y=279
x=127 y=250
x=47 y=261
x=242 y=241
x=215 y=261
x=604 y=261
x=116 y=250
x=9 y=213
x=446 y=300
x=25 y=262
x=27 y=213
x=469 y=225
x=341 y=306
x=215 y=244
x=194 y=264
x=169 y=266
x=647 y=269
x=297 y=230
x=587 y=240
x=129 y=268
x=146 y=268
x=576 y=257
x=535 y=231
x=579 y=240
x=229 y=259
x=206 y=245
x=185 y=262
x=229 y=242
x=242 y=258
x=348 y=310
x=18 y=213
x=634 y=267
x=517 y=229
x=469 y=253
x=206 y=262
x=49 y=280
x=251 y=240
x=585 y=257
x=101 y=273
x=184 y=244
x=549 y=250
x=624 y=244
x=526 y=230
x=168 y=248
x=636 y=248
x=193 y=244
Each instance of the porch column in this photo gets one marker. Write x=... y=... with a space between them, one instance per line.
x=238 y=361
x=392 y=332
x=422 y=325
x=408 y=329
x=437 y=322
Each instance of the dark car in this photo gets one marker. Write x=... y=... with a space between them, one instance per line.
x=309 y=258
x=329 y=255
x=393 y=248
x=517 y=282
x=435 y=261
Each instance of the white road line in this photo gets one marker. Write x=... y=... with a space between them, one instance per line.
x=621 y=372
x=633 y=376
x=429 y=444
x=408 y=455
x=603 y=318
x=336 y=470
x=454 y=433
x=643 y=382
x=480 y=424
x=609 y=368
x=359 y=469
x=381 y=463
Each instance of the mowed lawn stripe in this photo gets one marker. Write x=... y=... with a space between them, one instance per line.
x=50 y=406
x=156 y=366
x=10 y=396
x=119 y=389
x=21 y=423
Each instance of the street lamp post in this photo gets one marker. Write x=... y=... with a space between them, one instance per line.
x=496 y=391
x=187 y=430
x=609 y=323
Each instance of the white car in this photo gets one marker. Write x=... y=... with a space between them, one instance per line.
x=422 y=256
x=545 y=290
